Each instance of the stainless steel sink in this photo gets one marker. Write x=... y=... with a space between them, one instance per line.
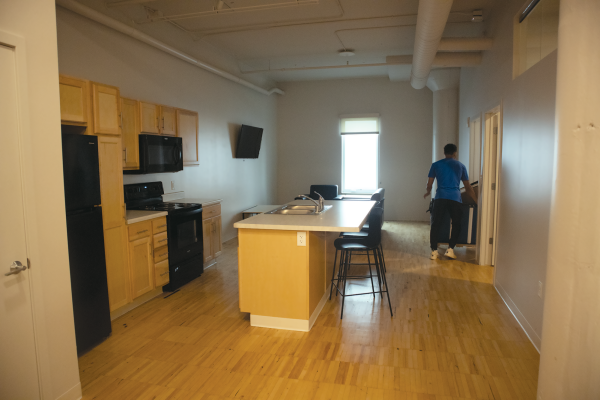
x=297 y=210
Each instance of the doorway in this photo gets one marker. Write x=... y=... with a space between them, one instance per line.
x=489 y=186
x=19 y=377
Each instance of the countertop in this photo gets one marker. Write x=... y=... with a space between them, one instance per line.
x=204 y=202
x=134 y=216
x=344 y=216
x=260 y=209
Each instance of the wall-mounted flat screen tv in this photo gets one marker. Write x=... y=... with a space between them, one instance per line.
x=248 y=145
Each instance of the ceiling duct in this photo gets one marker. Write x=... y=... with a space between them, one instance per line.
x=142 y=37
x=431 y=21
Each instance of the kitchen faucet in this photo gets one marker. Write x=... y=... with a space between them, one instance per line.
x=319 y=206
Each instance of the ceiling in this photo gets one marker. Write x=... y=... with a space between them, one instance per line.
x=289 y=40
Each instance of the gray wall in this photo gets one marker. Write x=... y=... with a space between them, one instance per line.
x=527 y=162
x=92 y=51
x=309 y=144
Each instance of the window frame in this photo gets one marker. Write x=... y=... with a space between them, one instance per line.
x=342 y=134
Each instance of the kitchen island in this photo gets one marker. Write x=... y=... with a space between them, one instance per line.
x=284 y=270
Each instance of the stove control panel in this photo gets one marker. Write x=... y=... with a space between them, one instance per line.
x=143 y=191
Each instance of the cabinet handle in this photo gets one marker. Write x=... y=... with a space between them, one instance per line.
x=121 y=118
x=163 y=118
x=145 y=230
x=163 y=254
x=162 y=240
x=162 y=226
x=164 y=273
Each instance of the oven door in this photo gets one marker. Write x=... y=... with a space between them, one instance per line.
x=185 y=236
x=160 y=154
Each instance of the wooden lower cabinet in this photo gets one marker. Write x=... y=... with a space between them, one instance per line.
x=148 y=256
x=117 y=268
x=211 y=232
x=141 y=266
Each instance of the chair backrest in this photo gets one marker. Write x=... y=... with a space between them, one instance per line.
x=375 y=222
x=329 y=192
x=378 y=195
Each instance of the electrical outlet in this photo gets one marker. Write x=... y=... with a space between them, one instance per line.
x=172 y=185
x=540 y=289
x=301 y=238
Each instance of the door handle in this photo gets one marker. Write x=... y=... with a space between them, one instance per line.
x=16 y=268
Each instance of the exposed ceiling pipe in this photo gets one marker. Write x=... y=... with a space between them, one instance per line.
x=431 y=21
x=465 y=44
x=136 y=34
x=441 y=60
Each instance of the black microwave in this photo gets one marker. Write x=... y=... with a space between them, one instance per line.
x=159 y=154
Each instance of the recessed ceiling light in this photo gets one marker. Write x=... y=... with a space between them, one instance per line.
x=346 y=53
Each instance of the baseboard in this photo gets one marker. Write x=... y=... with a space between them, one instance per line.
x=290 y=324
x=528 y=329
x=209 y=264
x=135 y=303
x=315 y=314
x=74 y=393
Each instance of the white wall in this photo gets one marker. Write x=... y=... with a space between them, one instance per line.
x=34 y=21
x=92 y=51
x=309 y=144
x=527 y=162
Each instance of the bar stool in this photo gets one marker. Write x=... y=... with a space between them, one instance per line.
x=369 y=245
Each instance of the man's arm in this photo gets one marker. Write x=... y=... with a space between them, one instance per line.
x=429 y=186
x=470 y=190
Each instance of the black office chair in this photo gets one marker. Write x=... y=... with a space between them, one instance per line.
x=371 y=244
x=329 y=192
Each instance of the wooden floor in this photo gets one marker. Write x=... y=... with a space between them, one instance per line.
x=451 y=337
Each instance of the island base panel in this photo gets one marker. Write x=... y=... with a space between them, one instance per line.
x=279 y=280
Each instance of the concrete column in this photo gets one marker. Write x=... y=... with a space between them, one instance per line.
x=445 y=120
x=444 y=85
x=570 y=357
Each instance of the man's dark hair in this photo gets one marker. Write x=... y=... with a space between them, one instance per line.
x=450 y=149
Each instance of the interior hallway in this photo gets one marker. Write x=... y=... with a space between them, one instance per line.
x=451 y=337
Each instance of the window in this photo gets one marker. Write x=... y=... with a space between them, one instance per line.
x=360 y=154
x=535 y=33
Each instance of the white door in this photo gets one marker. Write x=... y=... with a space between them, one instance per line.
x=18 y=364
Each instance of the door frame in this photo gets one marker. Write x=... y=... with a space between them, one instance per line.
x=44 y=375
x=486 y=252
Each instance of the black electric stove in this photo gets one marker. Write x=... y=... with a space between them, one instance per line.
x=184 y=231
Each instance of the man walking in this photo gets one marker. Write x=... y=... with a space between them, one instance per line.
x=448 y=172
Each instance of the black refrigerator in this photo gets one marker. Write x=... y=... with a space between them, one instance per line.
x=85 y=234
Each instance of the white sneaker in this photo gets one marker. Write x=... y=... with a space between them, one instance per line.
x=450 y=253
x=434 y=255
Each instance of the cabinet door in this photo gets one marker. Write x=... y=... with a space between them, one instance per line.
x=216 y=237
x=207 y=239
x=74 y=99
x=187 y=129
x=130 y=132
x=141 y=265
x=117 y=267
x=167 y=121
x=111 y=181
x=149 y=118
x=106 y=109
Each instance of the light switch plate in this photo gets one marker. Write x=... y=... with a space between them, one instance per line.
x=301 y=238
x=172 y=185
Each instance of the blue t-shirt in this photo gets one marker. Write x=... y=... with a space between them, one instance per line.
x=448 y=173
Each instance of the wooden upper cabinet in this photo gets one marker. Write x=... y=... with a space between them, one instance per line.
x=187 y=129
x=167 y=121
x=74 y=100
x=149 y=115
x=106 y=109
x=130 y=133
